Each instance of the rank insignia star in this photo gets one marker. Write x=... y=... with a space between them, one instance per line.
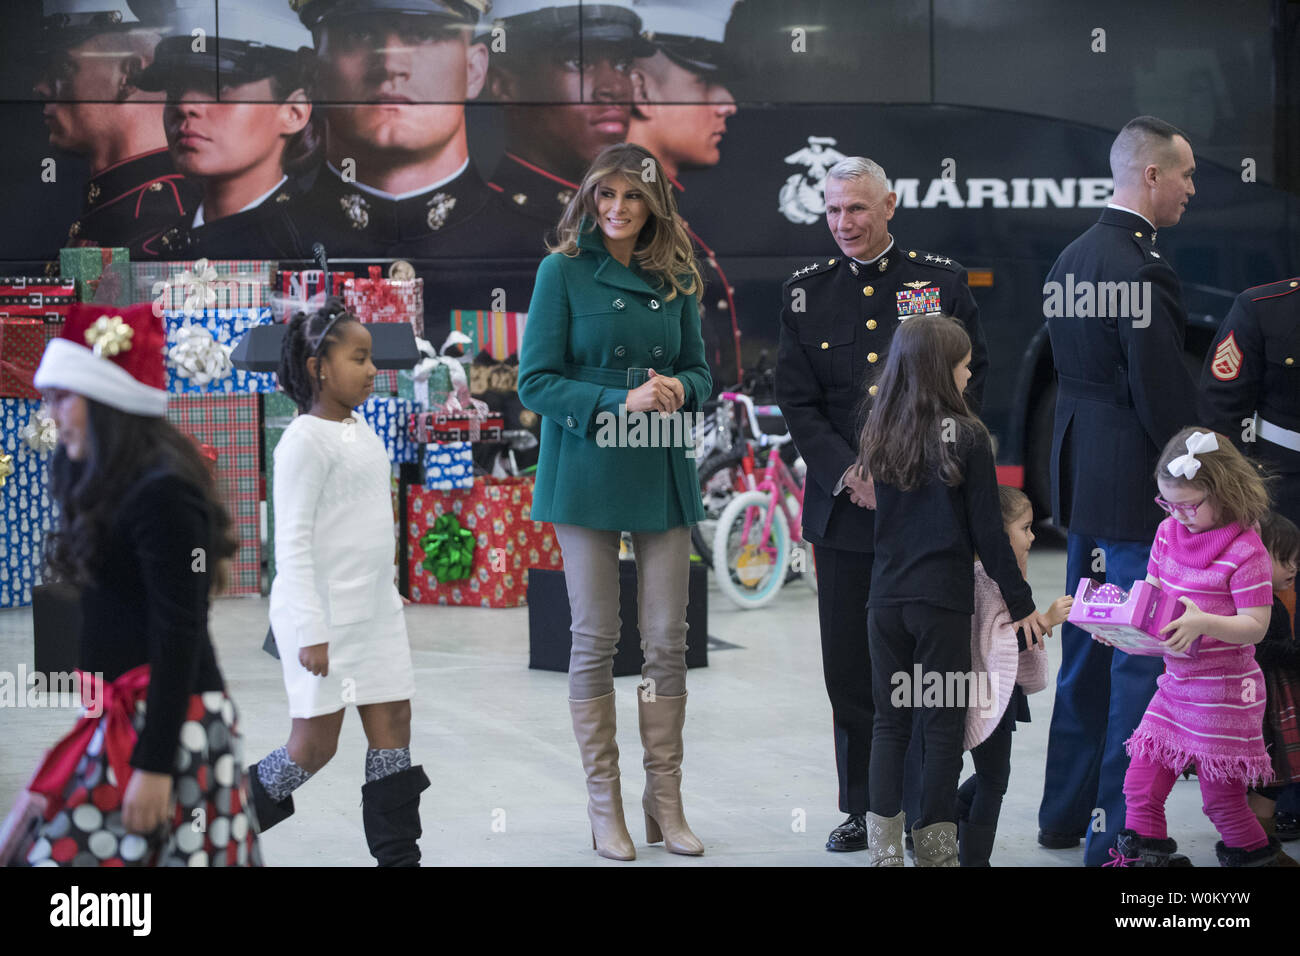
x=945 y=261
x=930 y=258
x=804 y=271
x=356 y=209
x=440 y=207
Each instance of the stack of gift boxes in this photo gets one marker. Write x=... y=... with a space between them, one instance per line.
x=486 y=545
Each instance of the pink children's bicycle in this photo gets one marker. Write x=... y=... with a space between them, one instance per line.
x=758 y=536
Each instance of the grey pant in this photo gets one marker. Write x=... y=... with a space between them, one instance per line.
x=663 y=564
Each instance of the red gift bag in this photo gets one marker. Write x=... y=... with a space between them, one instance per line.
x=507 y=542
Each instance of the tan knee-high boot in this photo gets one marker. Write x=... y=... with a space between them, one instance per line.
x=594 y=728
x=661 y=736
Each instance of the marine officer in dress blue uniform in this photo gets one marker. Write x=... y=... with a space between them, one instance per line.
x=838 y=317
x=94 y=50
x=681 y=112
x=1124 y=392
x=238 y=121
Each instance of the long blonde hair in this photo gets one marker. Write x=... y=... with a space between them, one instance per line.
x=664 y=246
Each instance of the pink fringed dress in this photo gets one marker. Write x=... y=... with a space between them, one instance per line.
x=1209 y=709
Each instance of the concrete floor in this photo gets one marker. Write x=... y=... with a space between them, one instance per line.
x=495 y=739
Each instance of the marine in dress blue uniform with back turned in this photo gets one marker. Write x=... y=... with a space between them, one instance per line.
x=837 y=319
x=1124 y=392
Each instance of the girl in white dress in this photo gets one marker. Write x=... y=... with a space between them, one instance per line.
x=335 y=611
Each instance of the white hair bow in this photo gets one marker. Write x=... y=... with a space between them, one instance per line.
x=1186 y=466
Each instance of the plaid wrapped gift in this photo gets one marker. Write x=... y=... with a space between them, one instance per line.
x=225 y=328
x=102 y=275
x=278 y=410
x=229 y=423
x=448 y=465
x=21 y=343
x=192 y=287
x=295 y=289
x=33 y=297
x=507 y=542
x=27 y=512
x=499 y=333
x=441 y=427
x=388 y=417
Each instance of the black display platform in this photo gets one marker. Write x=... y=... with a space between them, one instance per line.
x=549 y=622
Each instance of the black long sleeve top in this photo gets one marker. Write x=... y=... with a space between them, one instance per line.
x=148 y=603
x=1279 y=649
x=926 y=539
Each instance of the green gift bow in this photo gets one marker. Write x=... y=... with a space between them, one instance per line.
x=448 y=550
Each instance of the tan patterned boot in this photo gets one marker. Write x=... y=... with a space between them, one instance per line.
x=885 y=840
x=936 y=845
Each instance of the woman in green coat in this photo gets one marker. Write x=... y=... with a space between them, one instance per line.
x=613 y=361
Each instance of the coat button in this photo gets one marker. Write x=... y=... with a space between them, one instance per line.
x=619 y=304
x=826 y=345
x=620 y=351
x=868 y=290
x=871 y=323
x=872 y=357
x=654 y=303
x=657 y=351
x=571 y=422
x=873 y=389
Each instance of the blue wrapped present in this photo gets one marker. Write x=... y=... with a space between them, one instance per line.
x=198 y=352
x=448 y=465
x=26 y=510
x=388 y=416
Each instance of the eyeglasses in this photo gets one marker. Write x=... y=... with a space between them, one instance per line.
x=1188 y=510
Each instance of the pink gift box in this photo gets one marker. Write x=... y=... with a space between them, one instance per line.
x=1130 y=620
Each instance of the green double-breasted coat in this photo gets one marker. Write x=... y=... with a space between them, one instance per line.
x=591 y=319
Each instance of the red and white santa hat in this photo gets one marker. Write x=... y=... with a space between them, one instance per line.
x=112 y=355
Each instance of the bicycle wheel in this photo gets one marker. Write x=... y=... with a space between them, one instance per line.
x=718 y=477
x=750 y=570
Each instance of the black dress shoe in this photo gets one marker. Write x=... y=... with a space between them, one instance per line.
x=1057 y=841
x=1287 y=826
x=850 y=835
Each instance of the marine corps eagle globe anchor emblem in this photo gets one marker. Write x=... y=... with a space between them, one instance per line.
x=803 y=197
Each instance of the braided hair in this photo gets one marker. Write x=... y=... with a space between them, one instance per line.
x=310 y=336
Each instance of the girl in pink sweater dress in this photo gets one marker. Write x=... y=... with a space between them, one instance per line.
x=1209 y=708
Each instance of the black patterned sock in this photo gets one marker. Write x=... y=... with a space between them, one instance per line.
x=280 y=776
x=385 y=763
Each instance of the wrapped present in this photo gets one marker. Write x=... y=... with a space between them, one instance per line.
x=193 y=287
x=441 y=427
x=278 y=410
x=448 y=465
x=507 y=542
x=497 y=333
x=27 y=512
x=21 y=343
x=198 y=352
x=294 y=291
x=101 y=275
x=388 y=417
x=229 y=425
x=43 y=298
x=376 y=299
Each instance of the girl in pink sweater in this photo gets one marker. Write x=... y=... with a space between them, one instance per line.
x=1209 y=708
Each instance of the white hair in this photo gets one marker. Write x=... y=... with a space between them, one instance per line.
x=858 y=167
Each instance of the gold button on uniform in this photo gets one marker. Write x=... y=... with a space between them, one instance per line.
x=871 y=323
x=826 y=345
x=912 y=254
x=1294 y=284
x=155 y=187
x=831 y=262
x=1290 y=360
x=868 y=290
x=1138 y=234
x=872 y=357
x=873 y=389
